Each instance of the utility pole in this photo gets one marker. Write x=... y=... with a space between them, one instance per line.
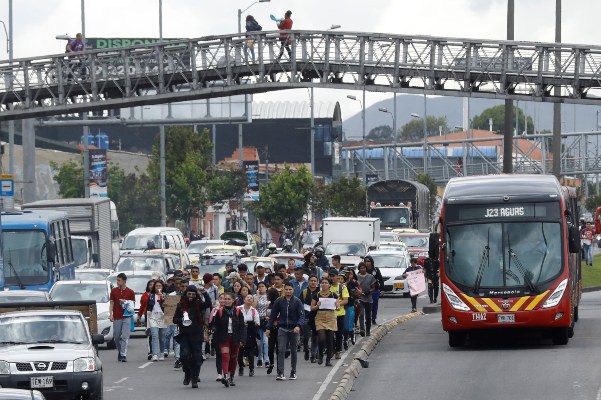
x=86 y=128
x=508 y=134
x=162 y=138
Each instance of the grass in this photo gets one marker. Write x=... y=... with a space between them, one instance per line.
x=591 y=276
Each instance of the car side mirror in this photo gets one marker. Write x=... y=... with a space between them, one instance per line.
x=50 y=251
x=574 y=240
x=95 y=258
x=97 y=339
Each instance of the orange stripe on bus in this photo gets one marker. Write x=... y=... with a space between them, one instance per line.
x=536 y=300
x=492 y=304
x=519 y=303
x=474 y=302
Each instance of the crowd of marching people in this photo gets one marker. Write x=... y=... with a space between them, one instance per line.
x=249 y=320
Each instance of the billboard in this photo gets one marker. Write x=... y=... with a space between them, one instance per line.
x=98 y=169
x=252 y=180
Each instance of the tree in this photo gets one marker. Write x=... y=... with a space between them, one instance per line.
x=380 y=133
x=497 y=113
x=284 y=200
x=187 y=167
x=346 y=197
x=413 y=131
x=226 y=184
x=427 y=180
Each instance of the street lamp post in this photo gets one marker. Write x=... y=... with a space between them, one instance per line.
x=362 y=103
x=162 y=139
x=385 y=110
x=425 y=158
x=241 y=11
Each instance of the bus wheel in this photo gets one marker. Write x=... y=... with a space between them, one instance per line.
x=576 y=314
x=561 y=336
x=457 y=338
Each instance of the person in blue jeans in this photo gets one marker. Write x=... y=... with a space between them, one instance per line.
x=371 y=269
x=587 y=238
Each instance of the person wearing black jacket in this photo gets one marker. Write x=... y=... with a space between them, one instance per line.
x=371 y=269
x=190 y=336
x=230 y=333
x=289 y=312
x=432 y=275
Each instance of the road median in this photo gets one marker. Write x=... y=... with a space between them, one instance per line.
x=360 y=358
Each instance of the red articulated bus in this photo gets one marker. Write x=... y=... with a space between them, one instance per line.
x=509 y=256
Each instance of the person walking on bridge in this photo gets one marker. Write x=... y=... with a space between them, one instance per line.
x=285 y=42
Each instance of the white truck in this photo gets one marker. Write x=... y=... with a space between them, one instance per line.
x=350 y=238
x=90 y=225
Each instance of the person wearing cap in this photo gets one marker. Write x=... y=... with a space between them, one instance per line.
x=189 y=316
x=339 y=288
x=230 y=277
x=261 y=275
x=412 y=267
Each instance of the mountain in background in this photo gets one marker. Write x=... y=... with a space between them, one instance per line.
x=584 y=116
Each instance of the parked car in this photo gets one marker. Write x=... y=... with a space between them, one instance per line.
x=20 y=296
x=392 y=264
x=418 y=245
x=136 y=281
x=92 y=274
x=51 y=351
x=161 y=263
x=99 y=291
x=197 y=248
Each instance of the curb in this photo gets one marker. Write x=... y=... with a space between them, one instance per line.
x=431 y=309
x=352 y=372
x=591 y=289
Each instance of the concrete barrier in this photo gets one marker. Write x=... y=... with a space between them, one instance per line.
x=352 y=372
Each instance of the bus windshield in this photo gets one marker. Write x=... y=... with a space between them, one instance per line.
x=391 y=216
x=25 y=260
x=503 y=254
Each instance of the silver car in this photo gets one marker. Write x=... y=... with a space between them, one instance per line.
x=51 y=351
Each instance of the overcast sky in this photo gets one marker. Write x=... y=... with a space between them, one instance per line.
x=37 y=22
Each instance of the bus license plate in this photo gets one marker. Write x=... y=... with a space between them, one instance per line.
x=506 y=318
x=42 y=382
x=399 y=285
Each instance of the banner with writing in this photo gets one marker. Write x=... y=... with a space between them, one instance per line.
x=416 y=282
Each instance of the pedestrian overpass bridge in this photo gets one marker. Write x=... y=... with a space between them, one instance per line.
x=215 y=66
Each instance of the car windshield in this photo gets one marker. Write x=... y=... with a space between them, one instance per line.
x=137 y=283
x=392 y=247
x=388 y=237
x=389 y=260
x=140 y=242
x=33 y=329
x=140 y=264
x=503 y=254
x=80 y=251
x=15 y=298
x=415 y=240
x=391 y=216
x=25 y=257
x=83 y=275
x=73 y=292
x=198 y=248
x=346 y=249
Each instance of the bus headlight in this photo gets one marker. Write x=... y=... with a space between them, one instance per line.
x=4 y=368
x=557 y=294
x=455 y=301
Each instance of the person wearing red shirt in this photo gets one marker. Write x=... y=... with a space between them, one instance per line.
x=121 y=323
x=285 y=24
x=587 y=238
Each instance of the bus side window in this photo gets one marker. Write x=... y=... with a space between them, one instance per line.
x=54 y=236
x=68 y=248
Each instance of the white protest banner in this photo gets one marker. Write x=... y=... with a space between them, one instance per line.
x=327 y=303
x=416 y=282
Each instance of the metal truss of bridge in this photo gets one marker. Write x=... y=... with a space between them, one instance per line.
x=215 y=66
x=438 y=158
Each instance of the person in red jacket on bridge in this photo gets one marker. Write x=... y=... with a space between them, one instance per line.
x=285 y=24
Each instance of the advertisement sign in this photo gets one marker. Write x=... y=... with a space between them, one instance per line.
x=98 y=169
x=252 y=180
x=416 y=282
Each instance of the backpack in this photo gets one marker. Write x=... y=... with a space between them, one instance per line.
x=237 y=312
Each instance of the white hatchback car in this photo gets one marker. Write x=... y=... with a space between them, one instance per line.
x=98 y=291
x=392 y=264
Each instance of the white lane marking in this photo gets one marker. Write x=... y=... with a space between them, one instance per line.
x=145 y=365
x=121 y=380
x=335 y=368
x=599 y=393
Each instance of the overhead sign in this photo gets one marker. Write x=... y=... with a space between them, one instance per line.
x=252 y=180
x=98 y=172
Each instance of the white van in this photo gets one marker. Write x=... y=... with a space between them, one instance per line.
x=137 y=240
